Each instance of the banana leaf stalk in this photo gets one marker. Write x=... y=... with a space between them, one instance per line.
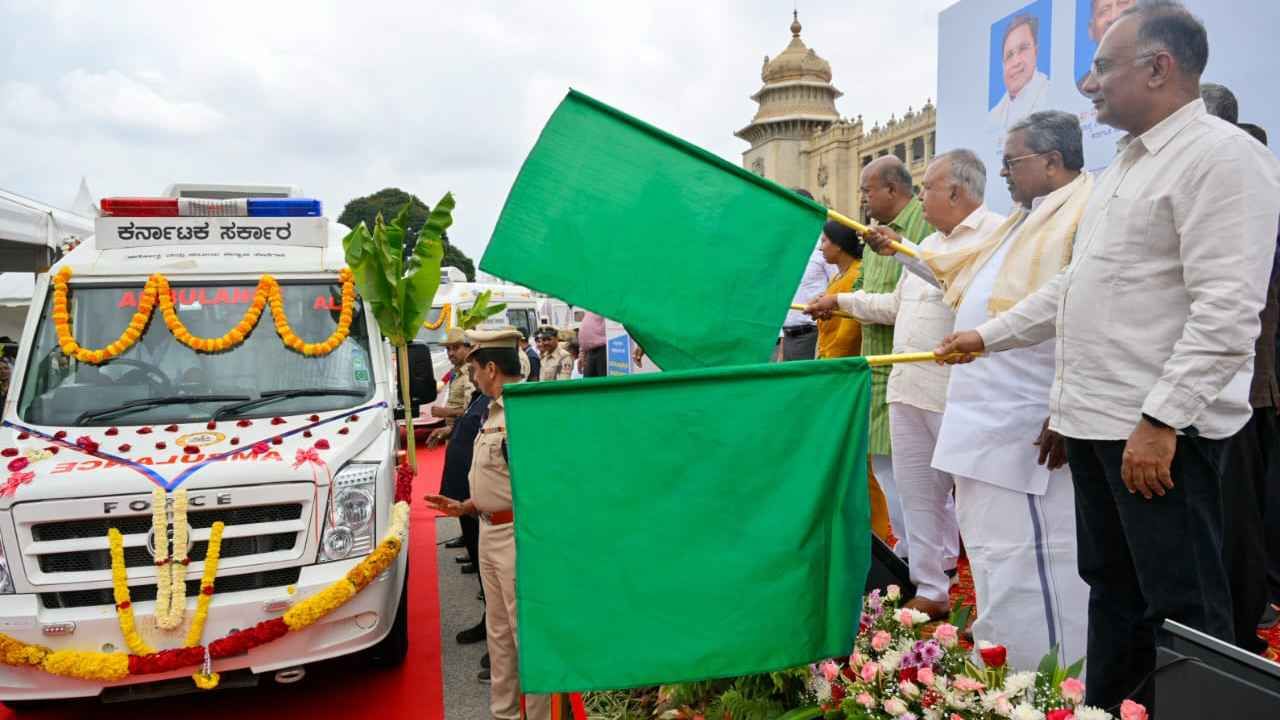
x=400 y=292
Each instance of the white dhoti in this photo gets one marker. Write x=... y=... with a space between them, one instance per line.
x=1022 y=550
x=1016 y=517
x=927 y=506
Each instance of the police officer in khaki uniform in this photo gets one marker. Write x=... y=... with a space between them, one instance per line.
x=459 y=388
x=557 y=364
x=494 y=362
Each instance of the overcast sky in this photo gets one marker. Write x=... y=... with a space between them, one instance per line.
x=346 y=98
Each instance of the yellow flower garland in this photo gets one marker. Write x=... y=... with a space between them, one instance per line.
x=157 y=290
x=171 y=574
x=444 y=317
x=206 y=585
x=111 y=667
x=124 y=606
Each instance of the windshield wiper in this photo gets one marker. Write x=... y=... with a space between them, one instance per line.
x=145 y=403
x=271 y=396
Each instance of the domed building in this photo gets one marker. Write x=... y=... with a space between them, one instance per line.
x=799 y=139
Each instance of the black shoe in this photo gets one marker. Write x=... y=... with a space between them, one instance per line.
x=484 y=661
x=469 y=569
x=455 y=543
x=462 y=559
x=1270 y=617
x=473 y=634
x=483 y=677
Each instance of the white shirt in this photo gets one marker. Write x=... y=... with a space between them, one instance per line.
x=1032 y=98
x=1158 y=311
x=818 y=274
x=997 y=404
x=919 y=316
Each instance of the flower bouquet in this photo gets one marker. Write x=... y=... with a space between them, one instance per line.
x=899 y=672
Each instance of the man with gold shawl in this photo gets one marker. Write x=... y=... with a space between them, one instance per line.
x=1014 y=497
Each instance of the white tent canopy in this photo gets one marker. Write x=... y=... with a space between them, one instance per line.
x=30 y=231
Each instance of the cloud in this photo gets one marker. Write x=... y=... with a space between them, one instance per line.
x=344 y=99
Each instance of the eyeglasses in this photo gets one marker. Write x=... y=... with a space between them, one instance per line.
x=1009 y=162
x=1102 y=66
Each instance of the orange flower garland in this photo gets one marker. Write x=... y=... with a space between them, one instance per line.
x=444 y=317
x=157 y=290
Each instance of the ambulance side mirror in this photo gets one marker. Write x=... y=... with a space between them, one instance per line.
x=422 y=377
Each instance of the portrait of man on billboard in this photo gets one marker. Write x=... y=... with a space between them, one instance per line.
x=1023 y=54
x=1093 y=17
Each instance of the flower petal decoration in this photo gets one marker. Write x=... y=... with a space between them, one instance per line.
x=18 y=464
x=322 y=444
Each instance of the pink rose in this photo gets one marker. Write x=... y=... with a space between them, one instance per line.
x=964 y=683
x=856 y=659
x=1060 y=714
x=947 y=635
x=865 y=700
x=1072 y=690
x=925 y=676
x=895 y=707
x=904 y=617
x=1130 y=710
x=830 y=670
x=869 y=672
x=880 y=641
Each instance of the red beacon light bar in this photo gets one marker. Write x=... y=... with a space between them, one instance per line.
x=200 y=207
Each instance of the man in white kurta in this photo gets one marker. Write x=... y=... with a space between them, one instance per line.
x=1015 y=505
x=952 y=196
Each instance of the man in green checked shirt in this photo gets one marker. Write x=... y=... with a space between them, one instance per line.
x=890 y=200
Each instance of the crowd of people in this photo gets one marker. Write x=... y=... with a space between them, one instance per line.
x=1101 y=428
x=1100 y=432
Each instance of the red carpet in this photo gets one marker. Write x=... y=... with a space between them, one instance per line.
x=335 y=688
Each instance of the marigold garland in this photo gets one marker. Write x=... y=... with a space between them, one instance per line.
x=206 y=585
x=170 y=612
x=120 y=586
x=157 y=291
x=112 y=667
x=444 y=318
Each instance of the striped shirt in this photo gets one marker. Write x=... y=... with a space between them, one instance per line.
x=880 y=275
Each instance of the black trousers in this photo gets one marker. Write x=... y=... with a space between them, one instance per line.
x=1249 y=455
x=471 y=537
x=597 y=363
x=1146 y=560
x=1268 y=434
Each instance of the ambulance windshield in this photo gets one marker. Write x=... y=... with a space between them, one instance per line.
x=159 y=380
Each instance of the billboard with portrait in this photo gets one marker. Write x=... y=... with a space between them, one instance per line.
x=1019 y=68
x=1058 y=38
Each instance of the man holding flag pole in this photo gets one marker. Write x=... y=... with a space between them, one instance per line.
x=1016 y=510
x=952 y=202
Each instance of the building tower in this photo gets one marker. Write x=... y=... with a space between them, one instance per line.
x=796 y=101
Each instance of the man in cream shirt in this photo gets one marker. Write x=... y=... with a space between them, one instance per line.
x=1155 y=321
x=952 y=194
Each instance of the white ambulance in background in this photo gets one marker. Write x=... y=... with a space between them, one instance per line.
x=164 y=413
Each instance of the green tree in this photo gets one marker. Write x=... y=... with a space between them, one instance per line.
x=389 y=202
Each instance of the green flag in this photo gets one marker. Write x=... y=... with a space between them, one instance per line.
x=688 y=525
x=697 y=257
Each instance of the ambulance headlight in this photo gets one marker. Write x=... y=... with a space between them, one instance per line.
x=350 y=520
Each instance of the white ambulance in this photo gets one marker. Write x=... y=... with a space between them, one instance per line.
x=294 y=454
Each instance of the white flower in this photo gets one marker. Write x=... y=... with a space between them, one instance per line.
x=909 y=689
x=895 y=707
x=933 y=713
x=1019 y=682
x=890 y=661
x=893 y=592
x=1084 y=712
x=1026 y=712
x=920 y=618
x=821 y=688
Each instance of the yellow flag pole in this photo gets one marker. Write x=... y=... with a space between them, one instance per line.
x=876 y=360
x=834 y=313
x=863 y=230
